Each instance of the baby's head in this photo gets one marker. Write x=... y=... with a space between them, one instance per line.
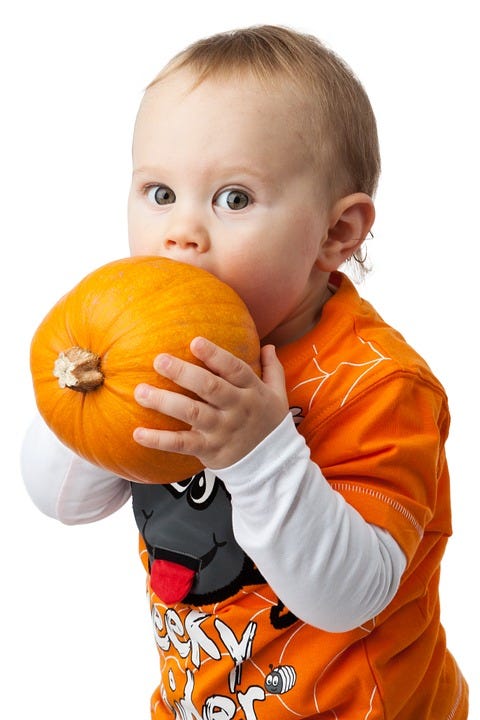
x=339 y=122
x=255 y=157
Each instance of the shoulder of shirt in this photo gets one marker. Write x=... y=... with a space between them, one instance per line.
x=351 y=351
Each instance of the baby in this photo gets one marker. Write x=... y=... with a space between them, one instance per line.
x=297 y=575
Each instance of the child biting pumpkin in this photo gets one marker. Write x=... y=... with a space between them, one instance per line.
x=97 y=342
x=296 y=574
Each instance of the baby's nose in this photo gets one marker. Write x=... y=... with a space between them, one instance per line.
x=187 y=234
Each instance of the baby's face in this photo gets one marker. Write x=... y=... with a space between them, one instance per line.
x=222 y=179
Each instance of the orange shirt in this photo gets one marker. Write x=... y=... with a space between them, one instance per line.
x=376 y=421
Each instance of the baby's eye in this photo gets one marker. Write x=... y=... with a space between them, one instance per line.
x=232 y=199
x=161 y=194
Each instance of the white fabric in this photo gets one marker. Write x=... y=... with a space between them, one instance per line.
x=327 y=564
x=63 y=485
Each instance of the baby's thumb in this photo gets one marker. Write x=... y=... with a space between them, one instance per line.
x=272 y=369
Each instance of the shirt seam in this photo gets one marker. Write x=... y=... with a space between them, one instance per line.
x=377 y=495
x=460 y=690
x=319 y=415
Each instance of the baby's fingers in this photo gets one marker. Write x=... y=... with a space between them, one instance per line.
x=183 y=442
x=202 y=382
x=223 y=363
x=175 y=405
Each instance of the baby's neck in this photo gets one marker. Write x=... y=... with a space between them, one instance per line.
x=304 y=317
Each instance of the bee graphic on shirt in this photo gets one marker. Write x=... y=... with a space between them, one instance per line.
x=280 y=679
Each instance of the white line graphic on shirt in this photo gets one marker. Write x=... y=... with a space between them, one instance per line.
x=371 y=702
x=324 y=375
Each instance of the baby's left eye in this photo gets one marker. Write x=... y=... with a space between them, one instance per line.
x=232 y=199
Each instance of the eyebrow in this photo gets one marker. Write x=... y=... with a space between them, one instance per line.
x=240 y=169
x=145 y=169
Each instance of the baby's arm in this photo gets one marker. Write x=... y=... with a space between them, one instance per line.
x=325 y=562
x=63 y=485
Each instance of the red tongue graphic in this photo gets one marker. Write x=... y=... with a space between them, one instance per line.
x=171 y=581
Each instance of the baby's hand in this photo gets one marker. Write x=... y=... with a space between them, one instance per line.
x=236 y=410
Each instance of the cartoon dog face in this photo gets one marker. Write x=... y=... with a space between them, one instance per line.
x=189 y=524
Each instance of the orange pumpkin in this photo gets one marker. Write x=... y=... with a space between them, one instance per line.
x=99 y=341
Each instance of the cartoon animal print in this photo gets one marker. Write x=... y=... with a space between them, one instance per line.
x=280 y=679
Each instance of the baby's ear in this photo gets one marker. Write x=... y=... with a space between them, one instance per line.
x=350 y=220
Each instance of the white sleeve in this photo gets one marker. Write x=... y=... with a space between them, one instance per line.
x=63 y=485
x=324 y=561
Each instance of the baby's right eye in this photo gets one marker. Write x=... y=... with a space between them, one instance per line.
x=161 y=194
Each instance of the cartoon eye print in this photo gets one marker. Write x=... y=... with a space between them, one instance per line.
x=281 y=679
x=199 y=490
x=297 y=414
x=192 y=519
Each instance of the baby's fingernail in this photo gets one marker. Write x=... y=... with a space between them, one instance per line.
x=198 y=343
x=141 y=392
x=162 y=362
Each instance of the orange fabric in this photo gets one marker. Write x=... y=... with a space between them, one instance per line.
x=376 y=421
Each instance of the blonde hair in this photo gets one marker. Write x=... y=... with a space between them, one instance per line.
x=343 y=132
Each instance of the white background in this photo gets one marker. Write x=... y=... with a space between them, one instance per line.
x=75 y=639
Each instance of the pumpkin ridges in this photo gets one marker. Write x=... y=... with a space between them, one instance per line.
x=73 y=416
x=126 y=321
x=104 y=313
x=146 y=462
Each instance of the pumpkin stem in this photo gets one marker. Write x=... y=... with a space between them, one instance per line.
x=78 y=369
